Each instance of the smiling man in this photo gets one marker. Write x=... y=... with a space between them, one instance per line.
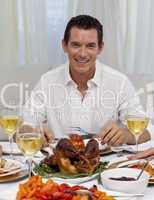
x=82 y=47
x=84 y=92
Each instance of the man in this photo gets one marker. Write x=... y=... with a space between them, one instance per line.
x=83 y=92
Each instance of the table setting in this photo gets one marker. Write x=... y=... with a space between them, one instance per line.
x=78 y=166
x=10 y=188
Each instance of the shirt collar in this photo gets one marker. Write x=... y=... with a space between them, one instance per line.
x=68 y=78
x=97 y=76
x=96 y=79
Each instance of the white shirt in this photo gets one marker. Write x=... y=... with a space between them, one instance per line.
x=110 y=94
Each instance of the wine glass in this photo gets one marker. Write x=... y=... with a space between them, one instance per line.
x=29 y=139
x=136 y=123
x=10 y=120
x=118 y=149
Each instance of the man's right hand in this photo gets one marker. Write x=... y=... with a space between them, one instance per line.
x=47 y=137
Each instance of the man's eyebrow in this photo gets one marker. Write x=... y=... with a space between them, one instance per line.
x=75 y=42
x=88 y=44
x=92 y=44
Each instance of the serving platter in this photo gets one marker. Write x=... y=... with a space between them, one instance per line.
x=73 y=179
x=58 y=171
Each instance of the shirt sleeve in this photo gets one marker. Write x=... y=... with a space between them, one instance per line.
x=35 y=107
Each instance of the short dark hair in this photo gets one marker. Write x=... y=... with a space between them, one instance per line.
x=84 y=22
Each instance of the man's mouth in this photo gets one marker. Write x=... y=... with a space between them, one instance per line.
x=82 y=61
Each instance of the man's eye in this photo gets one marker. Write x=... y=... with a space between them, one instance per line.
x=91 y=46
x=75 y=45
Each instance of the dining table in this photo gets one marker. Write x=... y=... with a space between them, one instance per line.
x=8 y=190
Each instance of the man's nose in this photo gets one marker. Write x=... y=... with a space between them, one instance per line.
x=83 y=51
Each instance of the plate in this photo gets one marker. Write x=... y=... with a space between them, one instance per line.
x=69 y=180
x=6 y=148
x=106 y=151
x=14 y=177
x=11 y=167
x=74 y=180
x=130 y=162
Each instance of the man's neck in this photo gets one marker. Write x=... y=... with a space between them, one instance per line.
x=81 y=79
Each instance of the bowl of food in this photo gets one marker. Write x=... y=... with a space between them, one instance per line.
x=125 y=180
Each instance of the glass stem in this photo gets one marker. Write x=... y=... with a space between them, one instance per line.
x=11 y=146
x=136 y=138
x=29 y=162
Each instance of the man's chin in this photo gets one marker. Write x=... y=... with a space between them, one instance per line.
x=82 y=70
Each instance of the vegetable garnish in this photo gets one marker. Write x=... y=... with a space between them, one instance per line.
x=46 y=171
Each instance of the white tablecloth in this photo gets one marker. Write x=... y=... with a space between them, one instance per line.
x=8 y=190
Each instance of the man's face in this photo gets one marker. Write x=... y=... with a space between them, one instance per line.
x=82 y=49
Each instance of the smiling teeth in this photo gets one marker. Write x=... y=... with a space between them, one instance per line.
x=82 y=61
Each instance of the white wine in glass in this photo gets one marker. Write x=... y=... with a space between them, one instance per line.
x=29 y=143
x=10 y=124
x=29 y=139
x=136 y=126
x=10 y=121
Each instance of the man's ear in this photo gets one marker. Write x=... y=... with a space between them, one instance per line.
x=64 y=46
x=101 y=47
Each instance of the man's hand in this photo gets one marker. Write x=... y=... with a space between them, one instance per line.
x=112 y=134
x=47 y=137
x=145 y=154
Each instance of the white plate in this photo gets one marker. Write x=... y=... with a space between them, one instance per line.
x=11 y=167
x=72 y=180
x=75 y=180
x=6 y=148
x=118 y=159
x=131 y=162
x=11 y=194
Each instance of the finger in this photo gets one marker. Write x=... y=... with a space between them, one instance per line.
x=105 y=131
x=119 y=138
x=44 y=141
x=48 y=135
x=110 y=135
x=116 y=140
x=107 y=128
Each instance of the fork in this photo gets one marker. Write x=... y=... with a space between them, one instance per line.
x=87 y=135
x=77 y=128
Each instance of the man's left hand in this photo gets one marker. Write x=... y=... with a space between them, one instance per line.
x=113 y=135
